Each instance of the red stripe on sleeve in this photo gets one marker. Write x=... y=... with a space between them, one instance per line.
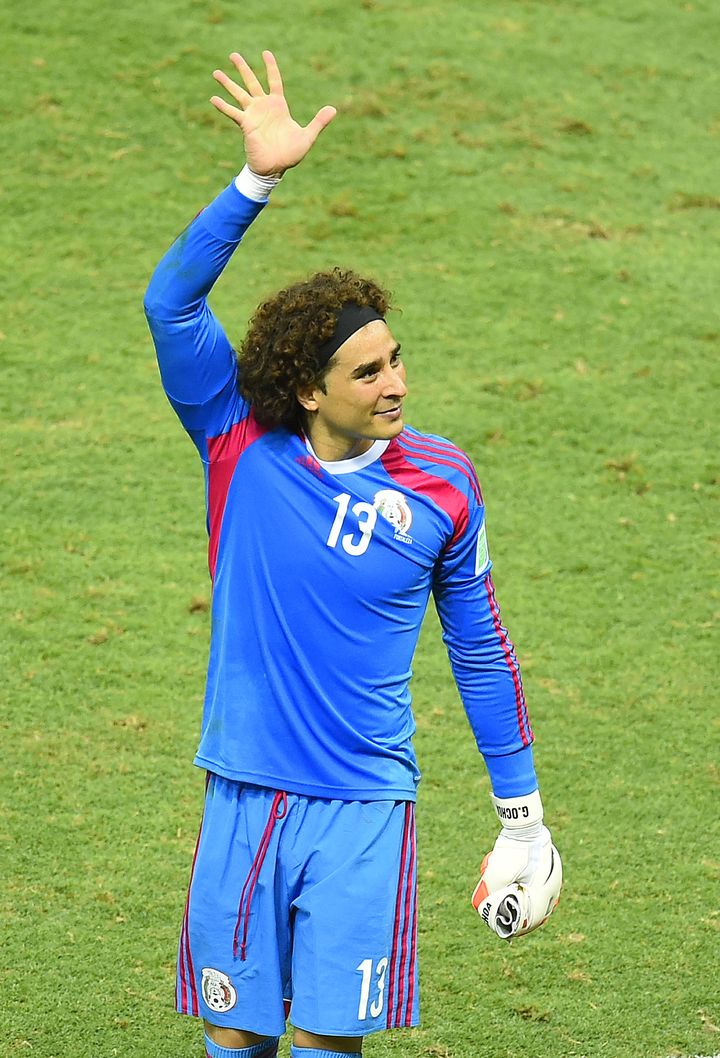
x=520 y=706
x=449 y=455
x=446 y=496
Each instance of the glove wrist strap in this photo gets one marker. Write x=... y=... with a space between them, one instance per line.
x=518 y=813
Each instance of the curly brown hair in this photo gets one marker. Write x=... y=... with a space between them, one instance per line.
x=279 y=354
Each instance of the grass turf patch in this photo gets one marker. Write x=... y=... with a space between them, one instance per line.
x=535 y=183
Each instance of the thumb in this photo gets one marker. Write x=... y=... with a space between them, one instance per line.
x=321 y=120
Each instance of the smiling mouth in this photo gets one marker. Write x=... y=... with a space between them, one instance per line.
x=391 y=413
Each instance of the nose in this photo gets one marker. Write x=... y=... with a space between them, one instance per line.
x=395 y=384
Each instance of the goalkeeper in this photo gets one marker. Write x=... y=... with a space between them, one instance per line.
x=331 y=521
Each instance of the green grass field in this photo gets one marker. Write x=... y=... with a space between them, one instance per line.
x=537 y=182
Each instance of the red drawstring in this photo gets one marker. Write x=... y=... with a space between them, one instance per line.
x=243 y=916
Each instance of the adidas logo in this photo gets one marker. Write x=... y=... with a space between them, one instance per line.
x=310 y=463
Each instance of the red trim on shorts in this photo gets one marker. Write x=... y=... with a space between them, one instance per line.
x=413 y=941
x=191 y=968
x=401 y=928
x=408 y=905
x=396 y=926
x=180 y=983
x=223 y=454
x=187 y=970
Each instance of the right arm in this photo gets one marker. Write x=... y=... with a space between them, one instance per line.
x=197 y=363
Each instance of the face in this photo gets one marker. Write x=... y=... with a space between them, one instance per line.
x=364 y=391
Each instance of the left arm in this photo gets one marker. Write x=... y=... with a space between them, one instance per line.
x=521 y=877
x=483 y=660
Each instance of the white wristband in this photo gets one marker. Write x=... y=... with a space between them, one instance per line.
x=516 y=813
x=253 y=186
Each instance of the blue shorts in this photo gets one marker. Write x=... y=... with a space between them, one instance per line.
x=300 y=907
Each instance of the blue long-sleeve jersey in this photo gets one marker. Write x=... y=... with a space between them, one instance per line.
x=322 y=571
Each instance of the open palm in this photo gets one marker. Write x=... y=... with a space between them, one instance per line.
x=274 y=141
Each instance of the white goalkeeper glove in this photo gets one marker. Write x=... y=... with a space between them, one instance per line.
x=520 y=879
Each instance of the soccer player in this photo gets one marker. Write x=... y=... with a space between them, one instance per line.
x=330 y=524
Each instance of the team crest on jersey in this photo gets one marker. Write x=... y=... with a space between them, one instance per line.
x=395 y=509
x=217 y=990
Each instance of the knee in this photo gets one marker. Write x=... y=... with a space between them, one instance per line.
x=313 y=1041
x=238 y=1039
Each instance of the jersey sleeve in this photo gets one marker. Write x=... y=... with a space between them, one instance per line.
x=482 y=657
x=197 y=363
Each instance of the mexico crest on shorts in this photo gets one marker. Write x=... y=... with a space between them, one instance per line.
x=395 y=509
x=217 y=990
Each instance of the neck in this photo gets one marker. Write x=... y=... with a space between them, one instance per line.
x=333 y=449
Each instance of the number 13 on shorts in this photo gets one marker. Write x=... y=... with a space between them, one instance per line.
x=372 y=981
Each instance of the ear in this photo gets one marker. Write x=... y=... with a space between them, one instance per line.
x=307 y=398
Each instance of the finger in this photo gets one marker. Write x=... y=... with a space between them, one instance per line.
x=235 y=90
x=321 y=121
x=273 y=73
x=251 y=82
x=228 y=110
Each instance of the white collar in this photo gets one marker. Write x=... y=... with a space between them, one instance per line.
x=349 y=466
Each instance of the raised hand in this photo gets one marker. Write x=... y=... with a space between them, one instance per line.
x=274 y=141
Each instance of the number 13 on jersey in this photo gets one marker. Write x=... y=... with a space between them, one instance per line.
x=366 y=517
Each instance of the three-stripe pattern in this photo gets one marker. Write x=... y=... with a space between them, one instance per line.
x=440 y=451
x=186 y=997
x=523 y=718
x=402 y=978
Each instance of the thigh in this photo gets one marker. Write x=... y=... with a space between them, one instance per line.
x=233 y=958
x=354 y=964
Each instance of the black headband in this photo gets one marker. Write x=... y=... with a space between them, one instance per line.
x=350 y=319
